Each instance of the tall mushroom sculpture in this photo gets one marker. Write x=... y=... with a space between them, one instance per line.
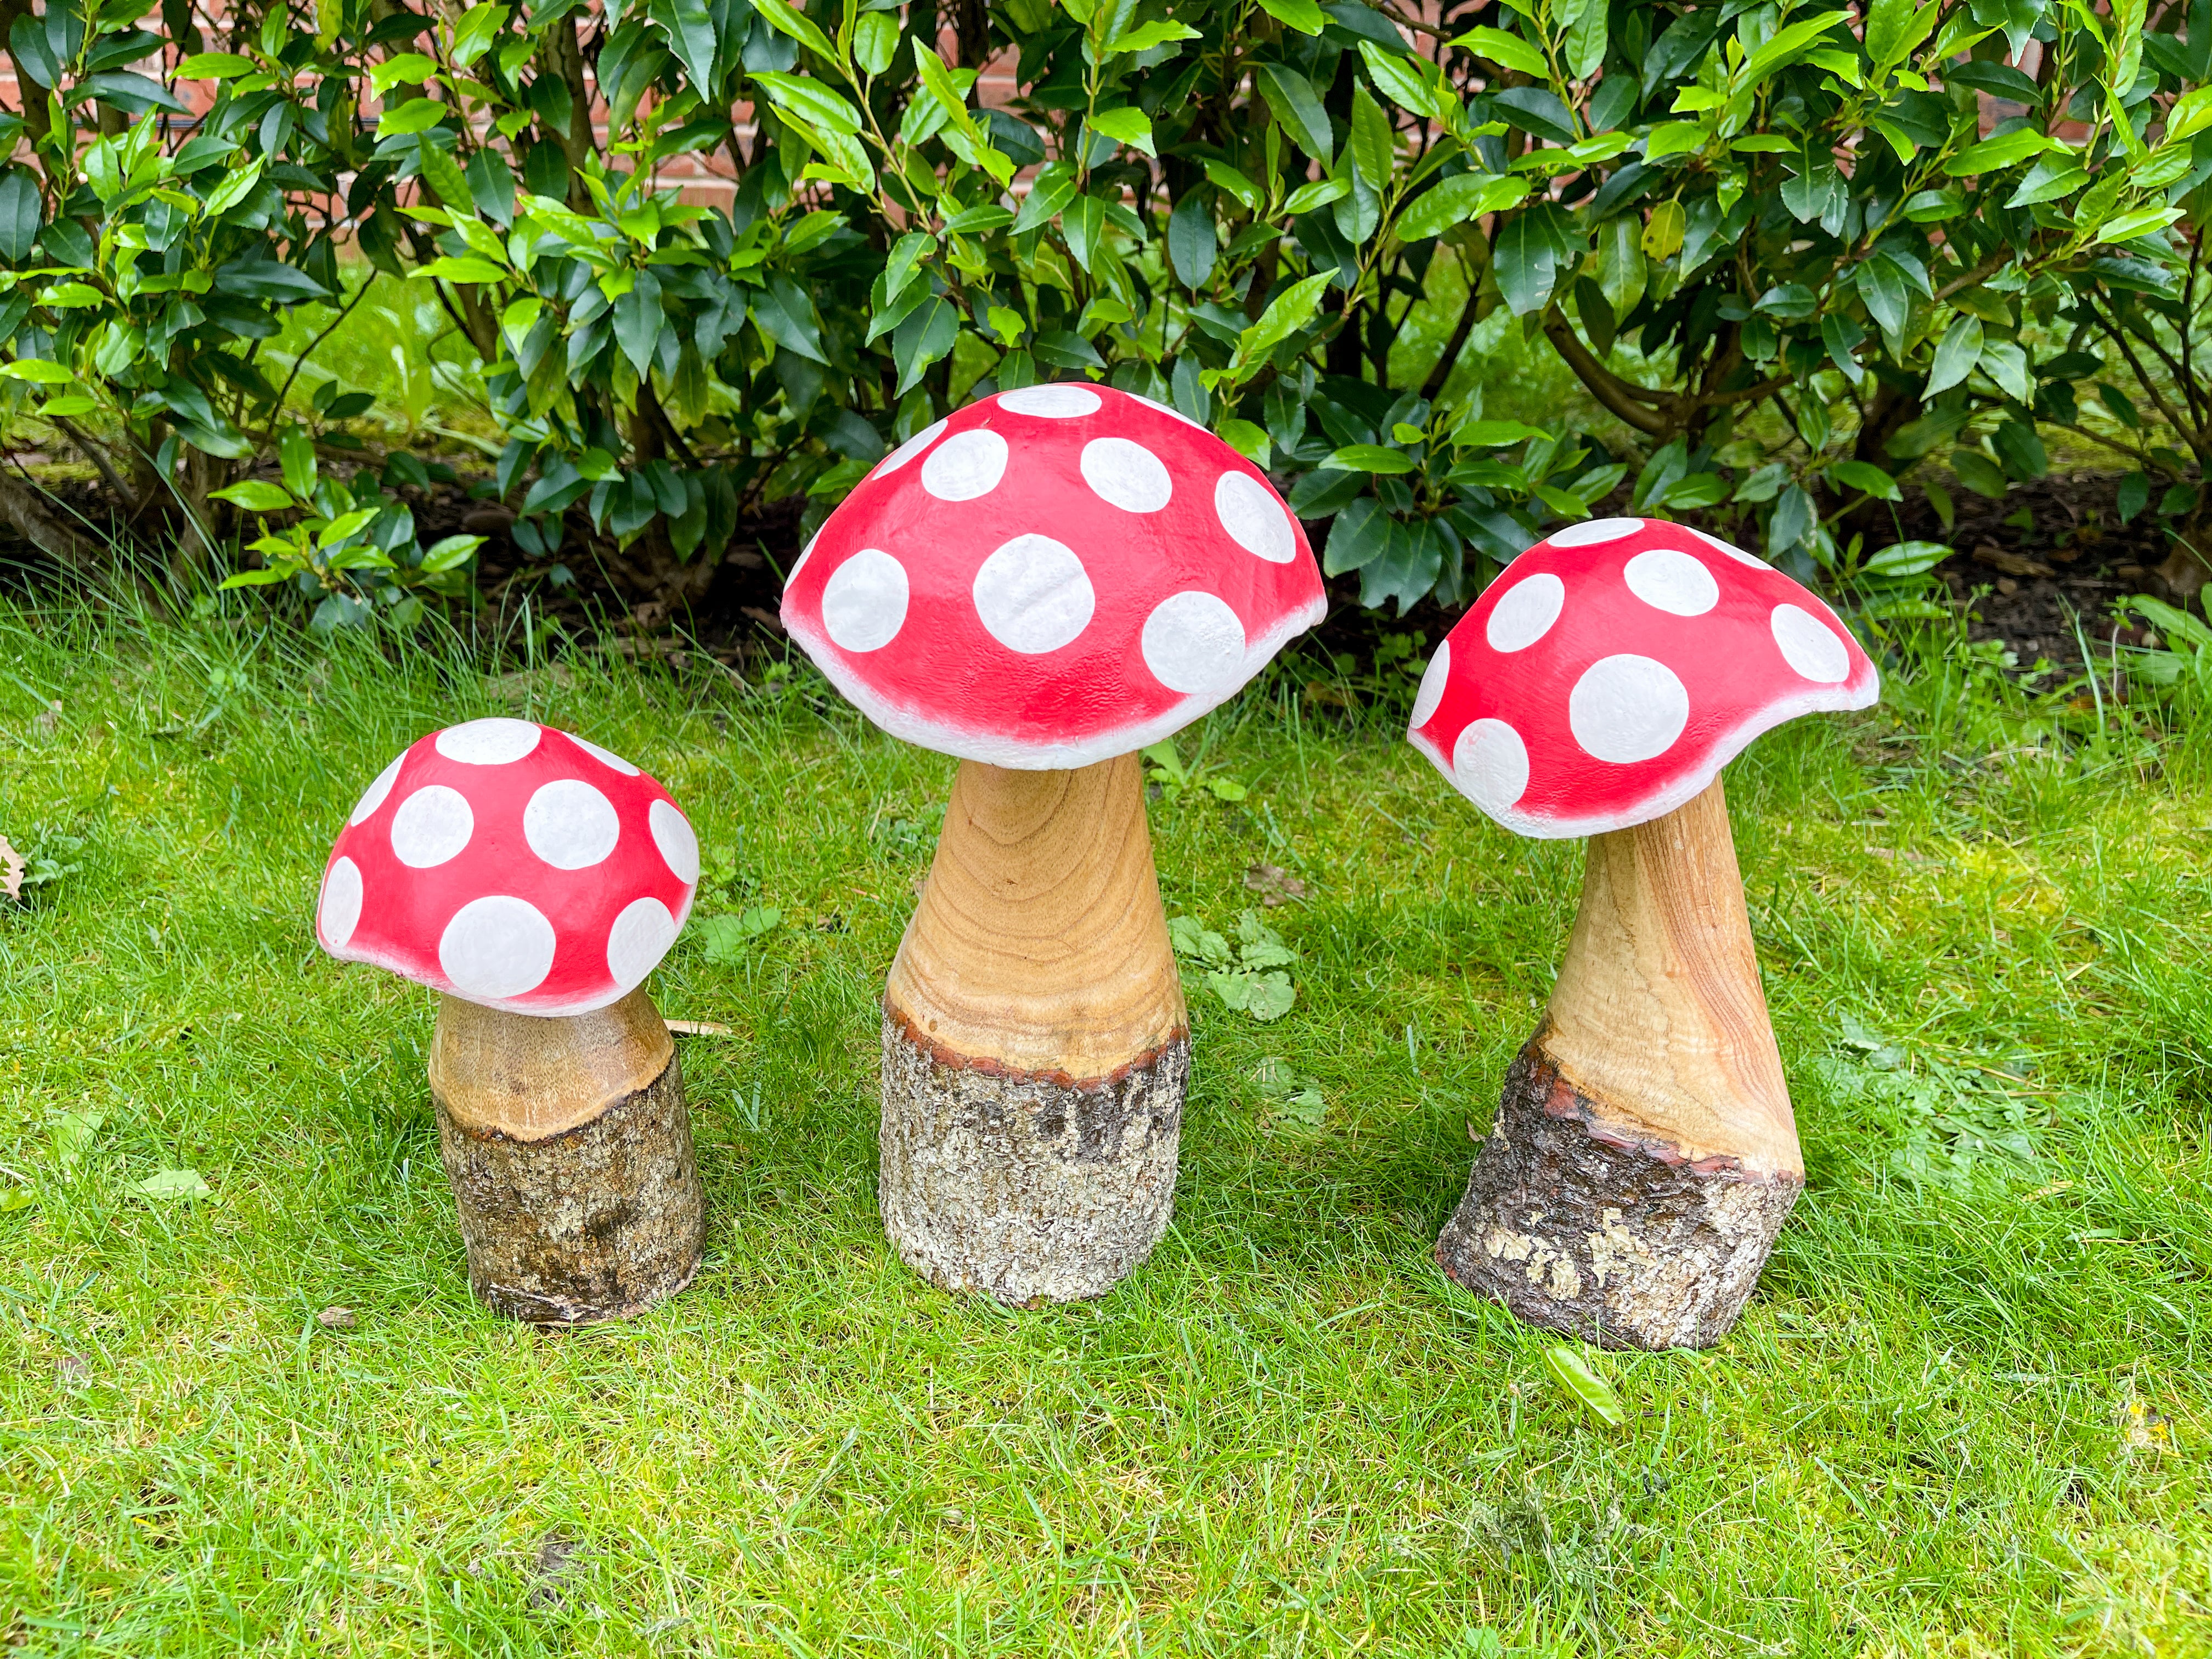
x=1041 y=585
x=535 y=880
x=1644 y=1156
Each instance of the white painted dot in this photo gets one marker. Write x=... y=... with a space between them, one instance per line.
x=1730 y=549
x=1591 y=531
x=906 y=451
x=678 y=841
x=488 y=742
x=635 y=943
x=1169 y=410
x=1034 y=595
x=1127 y=474
x=1256 y=517
x=805 y=554
x=1627 y=708
x=1432 y=688
x=1673 y=581
x=1058 y=403
x=1491 y=764
x=965 y=465
x=338 y=911
x=1192 y=641
x=604 y=757
x=431 y=826
x=571 y=826
x=864 y=602
x=500 y=947
x=372 y=797
x=1809 y=645
x=1524 y=613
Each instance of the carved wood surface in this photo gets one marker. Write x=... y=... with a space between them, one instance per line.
x=1039 y=944
x=1658 y=1018
x=530 y=1078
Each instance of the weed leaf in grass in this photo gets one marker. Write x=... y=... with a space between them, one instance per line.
x=726 y=938
x=1248 y=976
x=1590 y=1390
x=174 y=1183
x=1294 y=1103
x=17 y=1198
x=72 y=1132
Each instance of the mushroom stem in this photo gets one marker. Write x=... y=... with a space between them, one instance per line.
x=1036 y=1043
x=1644 y=1156
x=569 y=1151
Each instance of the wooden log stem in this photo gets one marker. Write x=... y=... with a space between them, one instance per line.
x=1035 y=1042
x=1645 y=1155
x=569 y=1147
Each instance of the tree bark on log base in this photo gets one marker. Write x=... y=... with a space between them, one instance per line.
x=1645 y=1155
x=1625 y=1243
x=1027 y=1188
x=568 y=1147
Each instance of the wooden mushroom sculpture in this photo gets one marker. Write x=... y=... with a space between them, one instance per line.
x=1041 y=585
x=1644 y=1156
x=534 y=880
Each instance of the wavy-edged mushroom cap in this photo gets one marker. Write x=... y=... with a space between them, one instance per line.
x=1050 y=577
x=1612 y=670
x=511 y=865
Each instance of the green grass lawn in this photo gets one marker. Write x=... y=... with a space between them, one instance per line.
x=1965 y=1414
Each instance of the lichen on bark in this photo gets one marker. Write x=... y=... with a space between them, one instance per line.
x=1029 y=1188
x=1622 y=1242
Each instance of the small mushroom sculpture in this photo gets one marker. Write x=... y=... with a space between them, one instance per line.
x=1644 y=1156
x=534 y=880
x=1041 y=585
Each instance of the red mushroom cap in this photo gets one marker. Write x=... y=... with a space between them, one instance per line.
x=1611 y=671
x=511 y=865
x=1050 y=577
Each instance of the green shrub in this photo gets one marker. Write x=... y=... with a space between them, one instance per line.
x=1773 y=242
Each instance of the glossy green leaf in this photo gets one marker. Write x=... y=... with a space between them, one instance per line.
x=1506 y=51
x=1572 y=1373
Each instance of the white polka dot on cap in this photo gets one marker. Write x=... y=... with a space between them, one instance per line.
x=1809 y=645
x=571 y=826
x=906 y=451
x=635 y=943
x=1490 y=763
x=1593 y=532
x=1431 y=692
x=1256 y=519
x=1125 y=474
x=495 y=742
x=965 y=465
x=604 y=757
x=1525 y=612
x=678 y=841
x=1034 y=595
x=864 y=602
x=1057 y=402
x=373 y=796
x=1193 y=642
x=432 y=826
x=1677 y=582
x=1627 y=708
x=496 y=947
x=338 y=911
